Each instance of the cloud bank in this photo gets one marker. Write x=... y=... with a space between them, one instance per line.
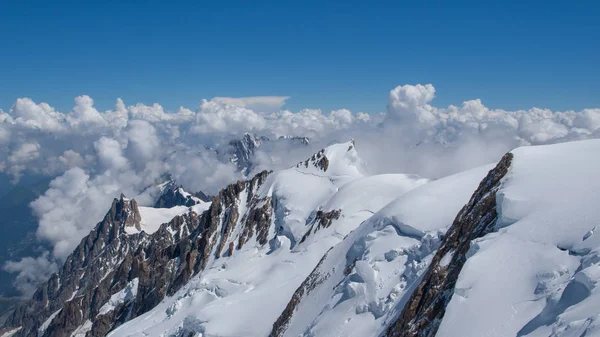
x=256 y=103
x=94 y=155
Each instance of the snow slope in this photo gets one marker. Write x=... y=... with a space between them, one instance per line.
x=369 y=273
x=243 y=294
x=345 y=250
x=537 y=275
x=152 y=217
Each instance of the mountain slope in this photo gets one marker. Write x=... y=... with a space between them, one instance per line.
x=241 y=151
x=133 y=259
x=362 y=279
x=324 y=249
x=254 y=284
x=521 y=259
x=545 y=251
x=125 y=250
x=174 y=195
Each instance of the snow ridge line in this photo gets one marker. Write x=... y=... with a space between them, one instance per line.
x=424 y=311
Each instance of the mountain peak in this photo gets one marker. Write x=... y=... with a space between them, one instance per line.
x=174 y=195
x=335 y=160
x=125 y=212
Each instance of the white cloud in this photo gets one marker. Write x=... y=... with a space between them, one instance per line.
x=256 y=103
x=410 y=103
x=219 y=117
x=156 y=114
x=25 y=153
x=38 y=116
x=84 y=114
x=70 y=159
x=96 y=155
x=21 y=156
x=143 y=143
x=110 y=154
x=31 y=272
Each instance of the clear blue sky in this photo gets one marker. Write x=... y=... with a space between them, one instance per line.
x=323 y=54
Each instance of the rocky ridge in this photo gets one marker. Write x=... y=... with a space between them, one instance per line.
x=425 y=309
x=84 y=296
x=241 y=151
x=174 y=195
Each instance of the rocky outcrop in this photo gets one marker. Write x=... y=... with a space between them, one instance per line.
x=109 y=260
x=322 y=220
x=241 y=151
x=311 y=282
x=296 y=140
x=318 y=160
x=97 y=254
x=424 y=311
x=174 y=195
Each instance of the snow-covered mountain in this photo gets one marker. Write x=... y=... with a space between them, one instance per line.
x=241 y=151
x=311 y=208
x=172 y=195
x=325 y=249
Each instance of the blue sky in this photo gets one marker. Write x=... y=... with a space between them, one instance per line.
x=324 y=55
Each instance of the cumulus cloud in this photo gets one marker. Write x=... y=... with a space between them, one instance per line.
x=21 y=156
x=24 y=153
x=96 y=155
x=42 y=116
x=31 y=272
x=256 y=103
x=410 y=103
x=219 y=117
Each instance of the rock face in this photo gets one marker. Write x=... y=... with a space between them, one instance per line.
x=174 y=195
x=241 y=151
x=296 y=140
x=313 y=280
x=112 y=277
x=425 y=309
x=318 y=160
x=322 y=220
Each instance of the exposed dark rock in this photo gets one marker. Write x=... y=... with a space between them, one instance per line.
x=318 y=160
x=424 y=311
x=242 y=150
x=174 y=195
x=108 y=259
x=311 y=282
x=202 y=196
x=322 y=220
x=296 y=140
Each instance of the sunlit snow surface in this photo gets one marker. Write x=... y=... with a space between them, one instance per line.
x=535 y=276
x=243 y=295
x=538 y=275
x=388 y=253
x=152 y=217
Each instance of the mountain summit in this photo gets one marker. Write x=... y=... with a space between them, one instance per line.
x=324 y=249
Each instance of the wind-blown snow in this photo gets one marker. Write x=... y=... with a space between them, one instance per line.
x=538 y=274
